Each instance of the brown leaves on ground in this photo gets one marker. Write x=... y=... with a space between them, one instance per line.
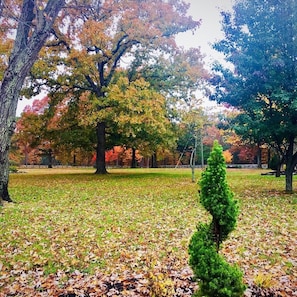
x=158 y=283
x=72 y=233
x=155 y=283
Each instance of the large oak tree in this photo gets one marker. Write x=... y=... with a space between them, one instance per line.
x=260 y=43
x=92 y=47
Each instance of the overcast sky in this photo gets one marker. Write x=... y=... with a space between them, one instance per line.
x=208 y=11
x=209 y=32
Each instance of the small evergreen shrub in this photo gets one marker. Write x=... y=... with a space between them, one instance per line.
x=215 y=276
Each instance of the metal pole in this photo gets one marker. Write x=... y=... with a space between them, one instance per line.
x=201 y=147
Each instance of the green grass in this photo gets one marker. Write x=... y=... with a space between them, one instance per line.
x=72 y=219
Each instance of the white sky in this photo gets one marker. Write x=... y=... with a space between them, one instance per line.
x=208 y=11
x=209 y=32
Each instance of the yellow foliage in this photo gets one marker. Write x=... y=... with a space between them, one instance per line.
x=267 y=101
x=93 y=34
x=160 y=285
x=228 y=156
x=264 y=281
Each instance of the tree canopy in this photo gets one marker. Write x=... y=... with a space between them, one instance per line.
x=260 y=45
x=133 y=36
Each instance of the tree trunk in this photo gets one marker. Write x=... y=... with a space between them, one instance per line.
x=193 y=159
x=192 y=162
x=25 y=52
x=100 y=150
x=50 y=158
x=133 y=161
x=290 y=165
x=4 y=170
x=154 y=160
x=289 y=181
x=259 y=158
x=26 y=156
x=217 y=233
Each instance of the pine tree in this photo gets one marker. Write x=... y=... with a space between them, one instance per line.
x=215 y=276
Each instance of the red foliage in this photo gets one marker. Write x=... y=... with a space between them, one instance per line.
x=246 y=153
x=38 y=106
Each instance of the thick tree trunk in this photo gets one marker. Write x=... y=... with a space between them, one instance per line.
x=133 y=161
x=11 y=85
x=25 y=52
x=50 y=158
x=289 y=181
x=26 y=156
x=154 y=163
x=291 y=160
x=4 y=169
x=259 y=157
x=290 y=165
x=100 y=150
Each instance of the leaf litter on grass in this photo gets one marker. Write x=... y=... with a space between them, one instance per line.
x=126 y=234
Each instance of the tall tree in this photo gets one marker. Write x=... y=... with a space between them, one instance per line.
x=114 y=33
x=34 y=24
x=260 y=43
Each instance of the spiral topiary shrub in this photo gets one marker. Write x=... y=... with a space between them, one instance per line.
x=215 y=276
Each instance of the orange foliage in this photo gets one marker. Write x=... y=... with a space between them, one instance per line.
x=212 y=133
x=120 y=156
x=246 y=153
x=228 y=156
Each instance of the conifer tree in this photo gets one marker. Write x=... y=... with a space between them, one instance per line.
x=215 y=276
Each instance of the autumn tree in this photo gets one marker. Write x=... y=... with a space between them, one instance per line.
x=194 y=121
x=49 y=129
x=203 y=128
x=176 y=77
x=29 y=128
x=260 y=43
x=241 y=145
x=97 y=43
x=34 y=132
x=33 y=22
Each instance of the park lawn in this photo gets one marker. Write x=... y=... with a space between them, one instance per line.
x=138 y=221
